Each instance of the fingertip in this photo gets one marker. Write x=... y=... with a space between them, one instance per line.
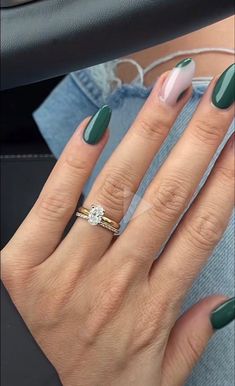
x=158 y=86
x=161 y=79
x=223 y=314
x=178 y=83
x=176 y=98
x=79 y=135
x=94 y=131
x=219 y=95
x=201 y=311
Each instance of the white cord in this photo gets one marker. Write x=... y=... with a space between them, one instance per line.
x=173 y=55
x=105 y=74
x=139 y=68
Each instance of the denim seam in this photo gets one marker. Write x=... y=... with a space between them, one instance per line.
x=85 y=82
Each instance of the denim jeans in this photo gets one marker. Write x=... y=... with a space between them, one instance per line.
x=79 y=95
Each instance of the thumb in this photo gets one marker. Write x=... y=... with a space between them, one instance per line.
x=190 y=335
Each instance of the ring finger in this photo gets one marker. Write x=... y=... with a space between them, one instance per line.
x=122 y=174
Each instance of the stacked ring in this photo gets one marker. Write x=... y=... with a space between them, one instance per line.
x=95 y=216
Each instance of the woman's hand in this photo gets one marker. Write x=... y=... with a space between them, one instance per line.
x=105 y=313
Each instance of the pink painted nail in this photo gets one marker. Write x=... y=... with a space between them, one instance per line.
x=179 y=79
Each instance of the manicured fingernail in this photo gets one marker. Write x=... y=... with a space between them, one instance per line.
x=179 y=79
x=223 y=94
x=97 y=125
x=223 y=315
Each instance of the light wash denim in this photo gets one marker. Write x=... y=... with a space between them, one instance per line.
x=80 y=94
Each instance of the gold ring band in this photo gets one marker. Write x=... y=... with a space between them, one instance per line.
x=113 y=223
x=95 y=216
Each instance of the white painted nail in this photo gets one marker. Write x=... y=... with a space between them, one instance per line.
x=179 y=79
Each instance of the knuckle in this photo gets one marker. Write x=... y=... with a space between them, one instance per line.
x=153 y=129
x=168 y=199
x=207 y=131
x=226 y=174
x=205 y=231
x=139 y=255
x=193 y=348
x=77 y=166
x=115 y=190
x=53 y=206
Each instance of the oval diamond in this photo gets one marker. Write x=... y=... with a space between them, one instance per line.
x=95 y=214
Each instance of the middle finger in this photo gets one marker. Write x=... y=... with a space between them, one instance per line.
x=170 y=192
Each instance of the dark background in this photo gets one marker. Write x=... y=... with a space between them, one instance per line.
x=19 y=133
x=26 y=162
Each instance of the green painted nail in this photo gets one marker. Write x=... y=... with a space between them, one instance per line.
x=223 y=94
x=223 y=315
x=183 y=62
x=97 y=125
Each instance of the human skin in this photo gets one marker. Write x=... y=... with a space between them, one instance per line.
x=220 y=34
x=104 y=311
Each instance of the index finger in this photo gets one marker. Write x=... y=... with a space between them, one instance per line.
x=41 y=231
